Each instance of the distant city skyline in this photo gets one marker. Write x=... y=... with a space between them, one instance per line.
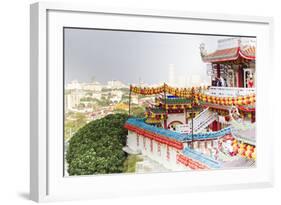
x=131 y=57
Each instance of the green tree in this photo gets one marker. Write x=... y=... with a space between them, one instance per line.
x=96 y=148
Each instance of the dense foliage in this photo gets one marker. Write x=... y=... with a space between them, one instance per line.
x=96 y=148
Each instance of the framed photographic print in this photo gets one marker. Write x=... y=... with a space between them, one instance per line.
x=127 y=102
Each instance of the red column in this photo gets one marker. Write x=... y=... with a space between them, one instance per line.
x=253 y=117
x=215 y=126
x=218 y=71
x=240 y=77
x=219 y=127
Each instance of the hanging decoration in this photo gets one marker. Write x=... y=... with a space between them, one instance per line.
x=244 y=150
x=227 y=101
x=178 y=92
x=197 y=93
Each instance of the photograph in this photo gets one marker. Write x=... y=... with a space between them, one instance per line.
x=149 y=102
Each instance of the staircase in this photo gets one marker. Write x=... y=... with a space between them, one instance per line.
x=201 y=121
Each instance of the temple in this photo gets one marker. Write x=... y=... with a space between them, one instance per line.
x=233 y=62
x=205 y=127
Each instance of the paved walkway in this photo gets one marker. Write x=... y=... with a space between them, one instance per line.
x=148 y=165
x=235 y=161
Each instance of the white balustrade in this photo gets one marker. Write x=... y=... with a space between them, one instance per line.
x=229 y=91
x=202 y=120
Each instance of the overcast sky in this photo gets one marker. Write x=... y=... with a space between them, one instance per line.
x=133 y=56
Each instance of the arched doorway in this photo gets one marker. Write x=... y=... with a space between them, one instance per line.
x=172 y=125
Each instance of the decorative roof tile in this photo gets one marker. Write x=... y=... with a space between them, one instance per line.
x=176 y=101
x=247 y=52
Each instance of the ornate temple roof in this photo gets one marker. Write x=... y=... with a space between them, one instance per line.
x=228 y=54
x=247 y=108
x=157 y=110
x=176 y=101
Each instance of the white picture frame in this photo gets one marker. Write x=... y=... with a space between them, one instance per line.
x=46 y=177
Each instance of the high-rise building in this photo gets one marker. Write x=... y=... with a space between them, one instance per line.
x=115 y=84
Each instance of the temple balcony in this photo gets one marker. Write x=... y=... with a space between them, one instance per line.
x=229 y=91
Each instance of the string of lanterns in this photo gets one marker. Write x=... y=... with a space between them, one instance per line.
x=146 y=90
x=241 y=100
x=197 y=93
x=178 y=92
x=244 y=150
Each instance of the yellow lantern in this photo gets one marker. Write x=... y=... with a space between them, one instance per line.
x=254 y=154
x=241 y=149
x=249 y=147
x=248 y=154
x=239 y=102
x=251 y=100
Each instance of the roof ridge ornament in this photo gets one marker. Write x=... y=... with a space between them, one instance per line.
x=203 y=51
x=239 y=43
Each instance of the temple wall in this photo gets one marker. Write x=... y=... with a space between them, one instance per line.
x=132 y=140
x=176 y=117
x=205 y=146
x=168 y=159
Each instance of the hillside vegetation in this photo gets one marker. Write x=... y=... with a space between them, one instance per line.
x=96 y=148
